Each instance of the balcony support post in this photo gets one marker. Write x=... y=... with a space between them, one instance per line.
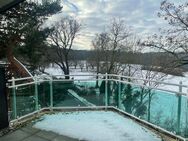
x=179 y=108
x=106 y=89
x=119 y=92
x=14 y=98
x=51 y=92
x=36 y=94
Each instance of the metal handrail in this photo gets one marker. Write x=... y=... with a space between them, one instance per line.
x=118 y=79
x=112 y=75
x=135 y=78
x=150 y=87
x=19 y=79
x=81 y=75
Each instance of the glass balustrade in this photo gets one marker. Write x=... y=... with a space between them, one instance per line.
x=159 y=107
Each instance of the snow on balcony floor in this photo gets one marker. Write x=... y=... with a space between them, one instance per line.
x=95 y=126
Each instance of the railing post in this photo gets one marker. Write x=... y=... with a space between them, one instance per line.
x=106 y=89
x=179 y=109
x=51 y=92
x=36 y=94
x=119 y=92
x=14 y=98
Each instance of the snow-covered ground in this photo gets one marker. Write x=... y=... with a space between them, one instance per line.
x=135 y=72
x=56 y=71
x=176 y=80
x=96 y=126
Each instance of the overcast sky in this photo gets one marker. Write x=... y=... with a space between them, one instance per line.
x=95 y=15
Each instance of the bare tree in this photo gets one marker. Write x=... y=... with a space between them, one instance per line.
x=118 y=32
x=100 y=52
x=108 y=45
x=137 y=101
x=81 y=64
x=100 y=46
x=74 y=63
x=91 y=62
x=132 y=46
x=62 y=38
x=173 y=39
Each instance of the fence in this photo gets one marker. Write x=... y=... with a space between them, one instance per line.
x=143 y=98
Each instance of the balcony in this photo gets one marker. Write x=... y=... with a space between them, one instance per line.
x=155 y=108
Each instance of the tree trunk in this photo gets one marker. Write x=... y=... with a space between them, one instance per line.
x=67 y=67
x=97 y=81
x=67 y=75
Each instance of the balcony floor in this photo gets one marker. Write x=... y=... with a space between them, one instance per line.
x=28 y=133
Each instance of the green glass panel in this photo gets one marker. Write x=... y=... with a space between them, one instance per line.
x=11 y=104
x=112 y=87
x=25 y=100
x=184 y=117
x=91 y=91
x=44 y=94
x=60 y=94
x=77 y=93
x=157 y=107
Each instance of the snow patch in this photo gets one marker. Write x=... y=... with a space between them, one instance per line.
x=95 y=126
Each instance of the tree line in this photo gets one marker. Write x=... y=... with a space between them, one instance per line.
x=24 y=36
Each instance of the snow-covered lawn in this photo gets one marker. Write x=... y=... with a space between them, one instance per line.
x=57 y=71
x=175 y=80
x=95 y=126
x=138 y=73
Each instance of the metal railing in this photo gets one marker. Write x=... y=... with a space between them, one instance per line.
x=14 y=84
x=56 y=78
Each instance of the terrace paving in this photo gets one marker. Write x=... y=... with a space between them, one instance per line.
x=28 y=133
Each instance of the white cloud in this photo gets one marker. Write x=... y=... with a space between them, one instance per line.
x=95 y=15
